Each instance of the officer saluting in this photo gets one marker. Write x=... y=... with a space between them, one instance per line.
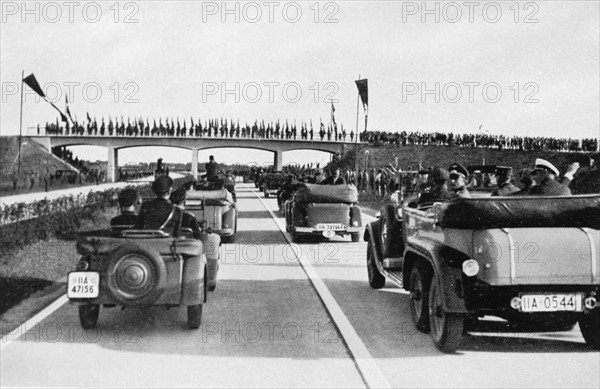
x=160 y=213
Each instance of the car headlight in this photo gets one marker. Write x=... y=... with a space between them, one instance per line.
x=470 y=267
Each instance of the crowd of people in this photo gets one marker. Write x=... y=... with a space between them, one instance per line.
x=221 y=128
x=441 y=182
x=482 y=140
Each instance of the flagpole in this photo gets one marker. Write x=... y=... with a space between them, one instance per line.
x=21 y=120
x=356 y=132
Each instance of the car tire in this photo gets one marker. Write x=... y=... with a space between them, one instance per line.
x=88 y=315
x=296 y=237
x=589 y=324
x=355 y=237
x=194 y=316
x=376 y=279
x=418 y=286
x=446 y=328
x=128 y=263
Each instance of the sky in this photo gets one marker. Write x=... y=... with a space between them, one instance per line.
x=512 y=68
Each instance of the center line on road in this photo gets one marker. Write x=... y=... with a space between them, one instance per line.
x=367 y=368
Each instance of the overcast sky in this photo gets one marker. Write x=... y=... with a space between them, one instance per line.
x=530 y=69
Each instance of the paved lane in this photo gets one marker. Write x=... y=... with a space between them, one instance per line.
x=265 y=326
x=491 y=357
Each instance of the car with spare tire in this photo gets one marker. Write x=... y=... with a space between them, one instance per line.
x=139 y=268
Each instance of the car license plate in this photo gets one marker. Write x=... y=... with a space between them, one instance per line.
x=552 y=302
x=83 y=284
x=331 y=227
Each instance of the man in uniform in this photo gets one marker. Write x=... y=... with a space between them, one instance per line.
x=335 y=179
x=458 y=176
x=439 y=191
x=210 y=241
x=160 y=213
x=127 y=220
x=211 y=169
x=505 y=185
x=544 y=175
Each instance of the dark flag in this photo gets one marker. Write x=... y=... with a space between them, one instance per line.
x=88 y=117
x=33 y=84
x=333 y=114
x=67 y=107
x=363 y=91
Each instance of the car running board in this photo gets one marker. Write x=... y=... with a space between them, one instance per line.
x=392 y=263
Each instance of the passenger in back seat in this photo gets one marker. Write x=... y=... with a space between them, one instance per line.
x=160 y=213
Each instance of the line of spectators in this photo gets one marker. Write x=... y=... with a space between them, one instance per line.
x=404 y=138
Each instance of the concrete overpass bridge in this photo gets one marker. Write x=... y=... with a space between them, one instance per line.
x=194 y=144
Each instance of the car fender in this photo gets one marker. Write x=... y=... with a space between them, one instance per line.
x=445 y=262
x=372 y=234
x=192 y=283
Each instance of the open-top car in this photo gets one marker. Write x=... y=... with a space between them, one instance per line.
x=139 y=268
x=217 y=207
x=272 y=182
x=530 y=260
x=324 y=210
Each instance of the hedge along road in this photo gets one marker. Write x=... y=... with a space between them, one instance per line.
x=79 y=193
x=269 y=324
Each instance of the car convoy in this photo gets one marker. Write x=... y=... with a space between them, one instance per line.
x=528 y=260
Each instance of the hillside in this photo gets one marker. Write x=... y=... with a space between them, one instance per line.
x=409 y=157
x=34 y=158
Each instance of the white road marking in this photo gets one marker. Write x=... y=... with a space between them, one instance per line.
x=43 y=314
x=365 y=363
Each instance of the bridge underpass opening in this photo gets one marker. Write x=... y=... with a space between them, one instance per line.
x=306 y=157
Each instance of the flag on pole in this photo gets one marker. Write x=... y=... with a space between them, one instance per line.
x=363 y=91
x=33 y=84
x=67 y=107
x=333 y=115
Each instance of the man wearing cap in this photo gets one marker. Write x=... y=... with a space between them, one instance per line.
x=544 y=175
x=458 y=175
x=127 y=220
x=211 y=169
x=210 y=241
x=439 y=191
x=505 y=185
x=188 y=220
x=160 y=213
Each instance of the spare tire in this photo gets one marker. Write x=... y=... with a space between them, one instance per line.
x=135 y=275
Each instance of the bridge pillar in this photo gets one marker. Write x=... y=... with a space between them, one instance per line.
x=112 y=169
x=195 y=163
x=277 y=160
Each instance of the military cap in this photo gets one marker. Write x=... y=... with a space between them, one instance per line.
x=439 y=174
x=504 y=171
x=542 y=164
x=457 y=168
x=162 y=184
x=127 y=197
x=178 y=195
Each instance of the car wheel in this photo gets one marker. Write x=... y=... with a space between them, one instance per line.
x=589 y=324
x=446 y=328
x=419 y=284
x=376 y=279
x=355 y=236
x=88 y=315
x=194 y=313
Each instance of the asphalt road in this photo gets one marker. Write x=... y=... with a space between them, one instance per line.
x=269 y=324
